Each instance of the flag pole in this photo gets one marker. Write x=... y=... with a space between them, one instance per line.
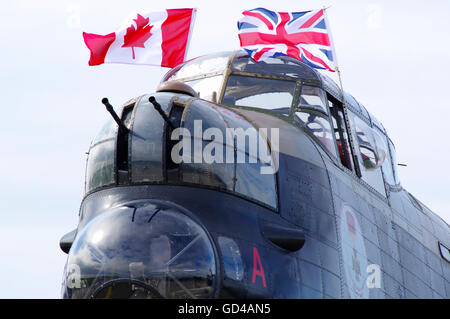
x=336 y=67
x=344 y=103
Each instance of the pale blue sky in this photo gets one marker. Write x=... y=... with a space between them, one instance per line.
x=393 y=56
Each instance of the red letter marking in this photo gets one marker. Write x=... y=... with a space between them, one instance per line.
x=258 y=272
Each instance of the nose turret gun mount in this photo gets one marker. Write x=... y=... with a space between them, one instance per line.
x=113 y=113
x=119 y=122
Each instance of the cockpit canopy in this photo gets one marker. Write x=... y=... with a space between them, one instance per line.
x=292 y=89
x=268 y=84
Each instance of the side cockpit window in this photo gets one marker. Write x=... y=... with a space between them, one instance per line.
x=341 y=133
x=394 y=162
x=371 y=152
x=312 y=112
x=372 y=148
x=387 y=168
x=319 y=126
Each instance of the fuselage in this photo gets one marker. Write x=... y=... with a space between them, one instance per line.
x=188 y=207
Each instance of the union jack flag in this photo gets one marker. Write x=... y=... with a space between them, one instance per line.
x=301 y=35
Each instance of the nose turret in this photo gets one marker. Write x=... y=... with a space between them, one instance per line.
x=137 y=243
x=142 y=249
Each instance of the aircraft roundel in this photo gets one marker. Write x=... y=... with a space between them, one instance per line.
x=353 y=254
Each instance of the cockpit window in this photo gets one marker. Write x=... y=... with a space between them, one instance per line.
x=207 y=88
x=319 y=126
x=203 y=74
x=371 y=152
x=313 y=97
x=312 y=113
x=100 y=165
x=282 y=66
x=340 y=126
x=268 y=94
x=214 y=63
x=394 y=162
x=387 y=164
x=371 y=146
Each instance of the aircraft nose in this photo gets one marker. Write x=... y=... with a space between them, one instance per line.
x=141 y=250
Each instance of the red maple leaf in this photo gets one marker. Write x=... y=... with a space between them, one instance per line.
x=136 y=37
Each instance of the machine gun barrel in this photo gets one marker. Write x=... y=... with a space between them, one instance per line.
x=113 y=113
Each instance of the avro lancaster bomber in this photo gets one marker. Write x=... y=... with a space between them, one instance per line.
x=180 y=203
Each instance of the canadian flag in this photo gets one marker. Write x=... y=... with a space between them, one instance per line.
x=156 y=38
